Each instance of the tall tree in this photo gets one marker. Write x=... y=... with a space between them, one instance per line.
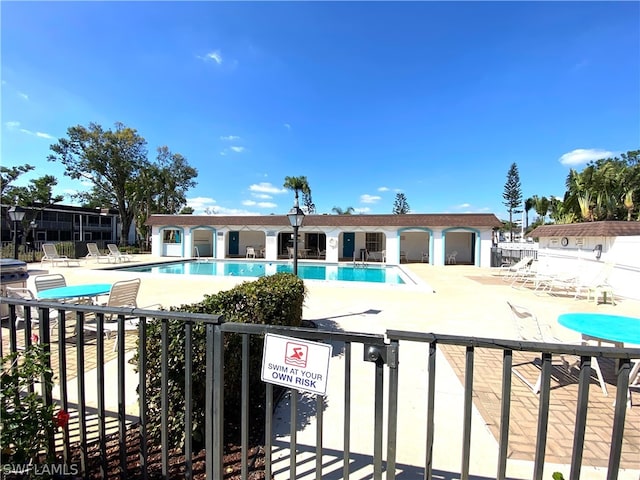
x=512 y=195
x=541 y=206
x=400 y=205
x=297 y=184
x=115 y=163
x=8 y=175
x=340 y=211
x=528 y=205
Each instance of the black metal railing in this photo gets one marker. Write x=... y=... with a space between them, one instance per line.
x=381 y=352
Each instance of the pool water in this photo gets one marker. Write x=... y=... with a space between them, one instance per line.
x=345 y=273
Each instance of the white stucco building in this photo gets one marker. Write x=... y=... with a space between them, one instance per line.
x=584 y=248
x=428 y=238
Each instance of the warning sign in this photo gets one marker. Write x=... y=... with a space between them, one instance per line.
x=296 y=363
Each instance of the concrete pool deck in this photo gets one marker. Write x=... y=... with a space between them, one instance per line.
x=468 y=301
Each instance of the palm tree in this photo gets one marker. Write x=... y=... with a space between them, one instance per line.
x=297 y=184
x=528 y=205
x=339 y=211
x=628 y=203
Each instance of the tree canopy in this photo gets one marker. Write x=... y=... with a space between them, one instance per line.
x=299 y=184
x=512 y=195
x=115 y=163
x=400 y=205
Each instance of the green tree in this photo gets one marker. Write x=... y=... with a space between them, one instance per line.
x=528 y=205
x=36 y=196
x=340 y=211
x=512 y=195
x=541 y=206
x=297 y=184
x=400 y=205
x=8 y=175
x=115 y=163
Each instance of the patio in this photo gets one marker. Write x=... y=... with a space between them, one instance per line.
x=468 y=301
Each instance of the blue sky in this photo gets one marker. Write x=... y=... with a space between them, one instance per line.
x=366 y=99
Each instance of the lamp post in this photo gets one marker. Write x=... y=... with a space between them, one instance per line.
x=296 y=217
x=16 y=214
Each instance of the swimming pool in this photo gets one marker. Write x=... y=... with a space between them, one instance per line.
x=346 y=273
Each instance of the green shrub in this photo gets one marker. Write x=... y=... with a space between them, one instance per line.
x=270 y=300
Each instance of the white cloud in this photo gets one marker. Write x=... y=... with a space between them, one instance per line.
x=262 y=196
x=581 y=156
x=24 y=96
x=237 y=149
x=216 y=56
x=234 y=211
x=199 y=204
x=383 y=189
x=249 y=203
x=362 y=210
x=229 y=138
x=223 y=153
x=463 y=205
x=11 y=125
x=287 y=126
x=44 y=135
x=266 y=187
x=369 y=198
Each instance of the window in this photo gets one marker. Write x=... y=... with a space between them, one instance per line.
x=171 y=235
x=374 y=242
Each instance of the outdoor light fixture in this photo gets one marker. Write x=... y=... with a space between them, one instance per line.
x=296 y=217
x=16 y=214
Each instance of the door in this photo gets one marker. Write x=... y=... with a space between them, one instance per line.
x=348 y=244
x=234 y=243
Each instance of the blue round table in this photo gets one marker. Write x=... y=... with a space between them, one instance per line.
x=75 y=291
x=615 y=328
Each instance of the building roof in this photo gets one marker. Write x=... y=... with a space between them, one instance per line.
x=486 y=220
x=588 y=229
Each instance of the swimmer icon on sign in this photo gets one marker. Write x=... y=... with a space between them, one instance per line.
x=296 y=354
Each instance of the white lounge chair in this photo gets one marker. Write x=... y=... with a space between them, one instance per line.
x=51 y=255
x=94 y=254
x=117 y=255
x=530 y=329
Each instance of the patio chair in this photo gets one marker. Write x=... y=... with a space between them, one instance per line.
x=251 y=252
x=451 y=257
x=51 y=255
x=529 y=329
x=117 y=255
x=25 y=293
x=94 y=253
x=321 y=253
x=599 y=285
x=51 y=280
x=424 y=257
x=123 y=294
x=508 y=270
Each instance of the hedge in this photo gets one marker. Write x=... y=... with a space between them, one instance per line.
x=272 y=300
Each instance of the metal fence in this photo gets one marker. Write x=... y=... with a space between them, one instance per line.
x=381 y=351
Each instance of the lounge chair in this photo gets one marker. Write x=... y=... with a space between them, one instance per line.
x=51 y=255
x=529 y=329
x=507 y=270
x=599 y=285
x=94 y=253
x=118 y=256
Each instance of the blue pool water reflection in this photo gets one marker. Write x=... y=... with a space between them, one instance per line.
x=346 y=273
